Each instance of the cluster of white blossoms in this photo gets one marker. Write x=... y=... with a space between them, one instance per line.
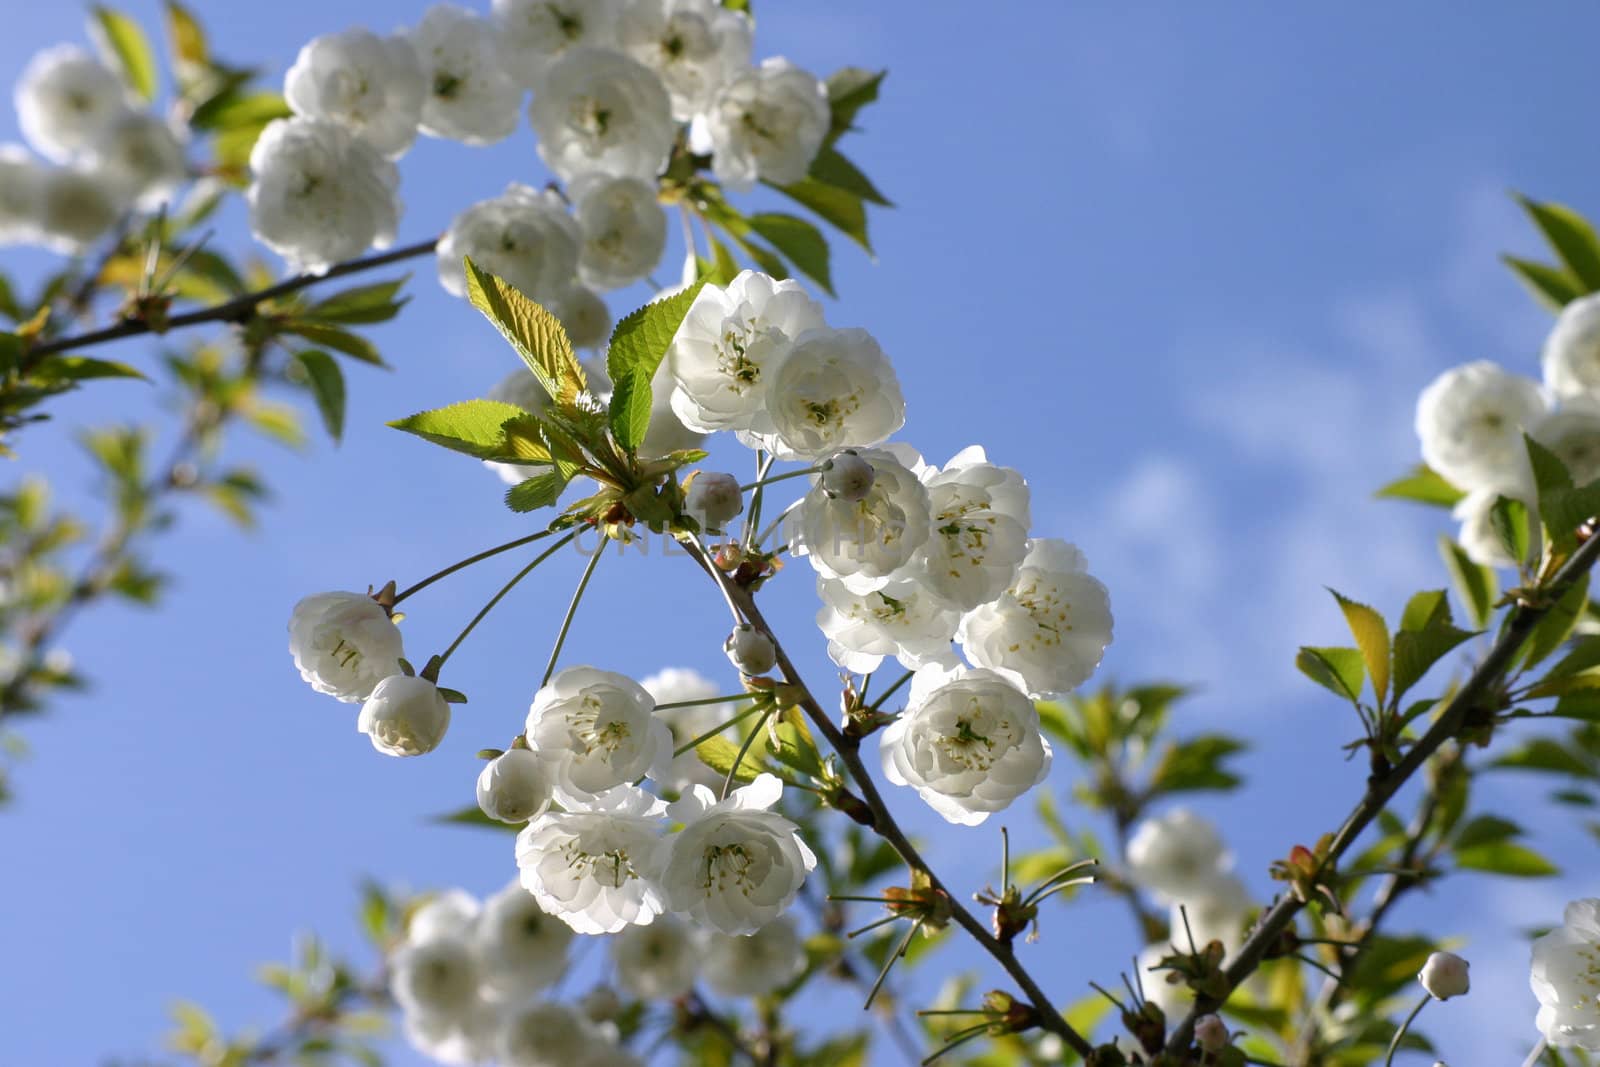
x=615 y=84
x=1182 y=859
x=1472 y=419
x=1566 y=978
x=104 y=155
x=911 y=559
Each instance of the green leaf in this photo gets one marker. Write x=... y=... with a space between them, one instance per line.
x=1425 y=486
x=361 y=305
x=849 y=90
x=1583 y=705
x=1548 y=756
x=1415 y=651
x=326 y=382
x=474 y=816
x=1338 y=670
x=638 y=345
x=831 y=168
x=1485 y=830
x=1196 y=764
x=239 y=112
x=719 y=753
x=1565 y=510
x=790 y=742
x=800 y=241
x=1426 y=610
x=842 y=209
x=472 y=426
x=1557 y=624
x=1553 y=287
x=1512 y=526
x=125 y=47
x=350 y=344
x=1476 y=585
x=540 y=491
x=1505 y=857
x=10 y=353
x=186 y=37
x=1572 y=238
x=1372 y=638
x=536 y=334
x=83 y=368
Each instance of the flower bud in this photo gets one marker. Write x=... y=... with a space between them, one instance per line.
x=847 y=477
x=600 y=1004
x=1210 y=1033
x=713 y=499
x=404 y=716
x=750 y=650
x=1444 y=976
x=514 y=786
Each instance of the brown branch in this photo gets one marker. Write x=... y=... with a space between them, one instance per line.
x=238 y=310
x=885 y=826
x=1489 y=676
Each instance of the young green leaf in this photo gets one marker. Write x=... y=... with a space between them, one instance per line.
x=849 y=90
x=1426 y=610
x=537 y=335
x=540 y=491
x=1557 y=624
x=1338 y=670
x=84 y=368
x=1553 y=287
x=353 y=345
x=800 y=241
x=1572 y=238
x=362 y=305
x=1415 y=651
x=1476 y=585
x=1512 y=526
x=125 y=47
x=719 y=754
x=638 y=345
x=1425 y=486
x=326 y=382
x=186 y=37
x=472 y=426
x=1507 y=858
x=1372 y=638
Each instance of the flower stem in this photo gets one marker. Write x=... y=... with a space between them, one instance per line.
x=765 y=481
x=707 y=700
x=504 y=589
x=717 y=729
x=889 y=692
x=733 y=772
x=1536 y=1054
x=1394 y=1045
x=469 y=561
x=572 y=610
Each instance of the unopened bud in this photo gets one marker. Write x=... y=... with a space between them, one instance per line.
x=847 y=477
x=514 y=786
x=750 y=650
x=1211 y=1033
x=713 y=499
x=1444 y=976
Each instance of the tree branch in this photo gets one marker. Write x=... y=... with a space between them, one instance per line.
x=1489 y=676
x=884 y=824
x=239 y=309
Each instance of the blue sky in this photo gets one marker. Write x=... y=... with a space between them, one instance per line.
x=1187 y=267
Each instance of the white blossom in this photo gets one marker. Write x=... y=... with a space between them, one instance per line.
x=694 y=45
x=750 y=651
x=77 y=207
x=834 y=389
x=21 y=192
x=978 y=529
x=1218 y=909
x=767 y=122
x=735 y=866
x=659 y=961
x=622 y=226
x=452 y=913
x=514 y=786
x=462 y=1041
x=1566 y=978
x=469 y=96
x=601 y=112
x=587 y=320
x=66 y=100
x=372 y=85
x=1573 y=434
x=1047 y=631
x=597 y=729
x=319 y=194
x=344 y=644
x=846 y=476
x=667 y=432
x=1444 y=975
x=436 y=978
x=713 y=498
x=524 y=235
x=140 y=157
x=969 y=743
x=404 y=716
x=608 y=1055
x=729 y=346
x=1179 y=855
x=1572 y=351
x=863 y=543
x=677 y=684
x=521 y=948
x=545 y=1034
x=598 y=869
x=536 y=33
x=1471 y=420
x=901 y=619
x=753 y=965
